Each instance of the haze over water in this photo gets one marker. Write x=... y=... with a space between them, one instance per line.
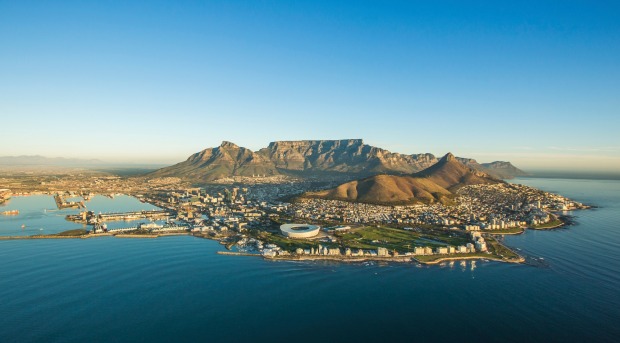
x=179 y=289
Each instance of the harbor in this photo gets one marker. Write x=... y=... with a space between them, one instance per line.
x=62 y=204
x=38 y=214
x=90 y=217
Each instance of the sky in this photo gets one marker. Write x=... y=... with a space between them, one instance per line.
x=533 y=82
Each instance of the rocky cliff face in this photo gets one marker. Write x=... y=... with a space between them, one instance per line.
x=350 y=158
x=343 y=156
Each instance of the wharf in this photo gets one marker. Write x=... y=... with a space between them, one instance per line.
x=62 y=204
x=85 y=217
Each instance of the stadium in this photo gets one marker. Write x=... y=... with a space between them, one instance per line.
x=299 y=230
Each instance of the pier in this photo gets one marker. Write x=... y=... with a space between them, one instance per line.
x=62 y=204
x=90 y=217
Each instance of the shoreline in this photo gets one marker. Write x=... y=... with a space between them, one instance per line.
x=462 y=258
x=561 y=224
x=354 y=259
x=336 y=258
x=12 y=238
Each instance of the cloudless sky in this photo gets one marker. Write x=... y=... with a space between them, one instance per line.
x=533 y=82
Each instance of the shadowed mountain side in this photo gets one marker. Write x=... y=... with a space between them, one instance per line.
x=451 y=174
x=436 y=183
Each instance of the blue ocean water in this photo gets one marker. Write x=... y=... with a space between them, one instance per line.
x=179 y=289
x=40 y=215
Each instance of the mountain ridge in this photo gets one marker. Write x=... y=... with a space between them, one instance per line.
x=350 y=158
x=436 y=183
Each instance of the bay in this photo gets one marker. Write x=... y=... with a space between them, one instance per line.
x=179 y=289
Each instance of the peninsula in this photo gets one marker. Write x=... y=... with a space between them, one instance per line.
x=363 y=203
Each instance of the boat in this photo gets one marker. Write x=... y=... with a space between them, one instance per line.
x=23 y=226
x=10 y=213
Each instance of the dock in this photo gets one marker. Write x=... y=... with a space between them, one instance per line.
x=88 y=217
x=62 y=204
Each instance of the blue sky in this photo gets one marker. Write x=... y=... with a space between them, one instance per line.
x=533 y=82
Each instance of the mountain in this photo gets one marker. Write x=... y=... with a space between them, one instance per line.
x=226 y=160
x=498 y=169
x=347 y=158
x=451 y=174
x=503 y=170
x=343 y=156
x=436 y=183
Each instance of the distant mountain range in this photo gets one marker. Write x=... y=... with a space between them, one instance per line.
x=349 y=158
x=36 y=160
x=434 y=184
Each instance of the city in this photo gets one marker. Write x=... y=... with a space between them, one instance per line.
x=247 y=218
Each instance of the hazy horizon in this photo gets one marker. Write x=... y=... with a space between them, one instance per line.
x=534 y=83
x=567 y=172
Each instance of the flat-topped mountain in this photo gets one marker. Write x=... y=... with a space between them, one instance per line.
x=344 y=156
x=349 y=158
x=436 y=183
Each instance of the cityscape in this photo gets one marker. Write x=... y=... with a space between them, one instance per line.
x=302 y=171
x=248 y=217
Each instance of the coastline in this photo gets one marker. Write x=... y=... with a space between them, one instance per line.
x=9 y=238
x=354 y=259
x=521 y=259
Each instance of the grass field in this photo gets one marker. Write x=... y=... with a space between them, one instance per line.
x=499 y=250
x=553 y=223
x=512 y=230
x=76 y=232
x=399 y=239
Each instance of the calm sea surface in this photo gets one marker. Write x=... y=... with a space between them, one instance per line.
x=179 y=289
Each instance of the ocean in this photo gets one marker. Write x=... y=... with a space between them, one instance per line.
x=178 y=289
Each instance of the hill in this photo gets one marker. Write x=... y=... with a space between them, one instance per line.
x=436 y=183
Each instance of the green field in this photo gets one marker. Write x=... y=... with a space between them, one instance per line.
x=511 y=230
x=553 y=223
x=400 y=240
x=499 y=250
x=76 y=232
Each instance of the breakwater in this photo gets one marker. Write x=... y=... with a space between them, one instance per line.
x=89 y=216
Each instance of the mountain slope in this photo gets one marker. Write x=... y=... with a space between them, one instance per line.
x=498 y=169
x=503 y=170
x=451 y=174
x=385 y=189
x=348 y=158
x=436 y=183
x=223 y=161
